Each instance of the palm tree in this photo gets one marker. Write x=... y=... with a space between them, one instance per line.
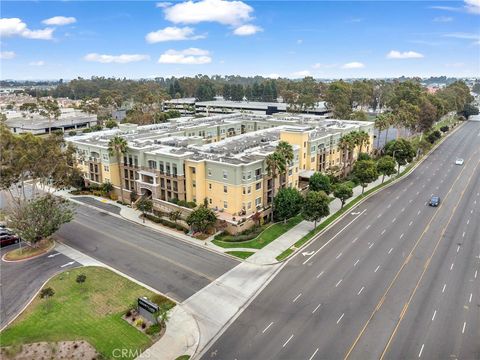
x=381 y=123
x=347 y=144
x=362 y=139
x=275 y=165
x=286 y=151
x=118 y=146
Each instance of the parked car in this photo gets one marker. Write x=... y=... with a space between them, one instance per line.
x=459 y=161
x=434 y=201
x=8 y=239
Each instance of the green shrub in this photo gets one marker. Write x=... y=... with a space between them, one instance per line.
x=153 y=329
x=72 y=133
x=87 y=130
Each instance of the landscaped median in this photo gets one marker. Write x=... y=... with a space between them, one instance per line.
x=89 y=311
x=265 y=236
x=28 y=252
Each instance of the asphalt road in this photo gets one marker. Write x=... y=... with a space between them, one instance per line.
x=395 y=279
x=173 y=267
x=20 y=280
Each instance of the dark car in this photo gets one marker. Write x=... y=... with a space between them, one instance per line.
x=434 y=201
x=8 y=239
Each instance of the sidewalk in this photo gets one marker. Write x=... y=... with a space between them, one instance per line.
x=269 y=253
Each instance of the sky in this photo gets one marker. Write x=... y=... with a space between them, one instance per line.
x=323 y=39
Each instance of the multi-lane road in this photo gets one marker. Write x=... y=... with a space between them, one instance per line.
x=395 y=279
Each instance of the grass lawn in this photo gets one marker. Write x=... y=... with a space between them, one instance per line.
x=265 y=238
x=241 y=254
x=91 y=311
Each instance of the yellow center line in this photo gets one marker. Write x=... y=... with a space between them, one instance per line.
x=377 y=308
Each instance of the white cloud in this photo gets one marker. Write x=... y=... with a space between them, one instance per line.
x=60 y=20
x=163 y=5
x=190 y=56
x=247 y=29
x=394 y=54
x=172 y=33
x=443 y=19
x=473 y=6
x=37 y=63
x=461 y=35
x=353 y=65
x=455 y=65
x=221 y=11
x=300 y=41
x=16 y=27
x=6 y=55
x=301 y=73
x=120 y=59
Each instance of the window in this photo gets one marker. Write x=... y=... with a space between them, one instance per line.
x=249 y=190
x=105 y=156
x=304 y=155
x=209 y=186
x=258 y=186
x=290 y=172
x=152 y=164
x=225 y=204
x=209 y=172
x=312 y=159
x=313 y=148
x=249 y=175
x=258 y=202
x=304 y=144
x=162 y=169
x=249 y=206
x=225 y=189
x=244 y=190
x=244 y=175
x=210 y=201
x=106 y=168
x=194 y=183
x=225 y=174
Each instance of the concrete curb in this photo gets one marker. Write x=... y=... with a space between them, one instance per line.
x=33 y=297
x=386 y=186
x=29 y=258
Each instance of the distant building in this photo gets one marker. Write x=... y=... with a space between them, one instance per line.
x=189 y=106
x=70 y=119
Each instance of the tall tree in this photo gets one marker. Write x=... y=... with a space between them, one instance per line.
x=275 y=164
x=315 y=206
x=288 y=203
x=320 y=182
x=343 y=192
x=201 y=218
x=366 y=172
x=386 y=166
x=49 y=109
x=286 y=152
x=118 y=147
x=401 y=150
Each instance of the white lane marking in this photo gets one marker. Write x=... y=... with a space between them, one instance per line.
x=354 y=240
x=313 y=312
x=53 y=255
x=403 y=209
x=67 y=264
x=458 y=248
x=470 y=299
x=338 y=283
x=378 y=216
x=394 y=219
x=418 y=192
x=463 y=329
x=444 y=286
x=383 y=232
x=340 y=318
x=451 y=266
x=356 y=262
x=390 y=251
x=476 y=273
x=321 y=273
x=297 y=297
x=398 y=197
x=371 y=245
x=363 y=287
x=419 y=211
x=401 y=235
x=410 y=224
x=338 y=256
x=389 y=206
x=378 y=267
x=410 y=201
x=421 y=351
x=463 y=235
x=434 y=313
x=468 y=221
x=471 y=211
x=263 y=332
x=368 y=226
x=338 y=233
x=286 y=342
x=314 y=353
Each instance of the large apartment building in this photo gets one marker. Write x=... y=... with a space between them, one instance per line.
x=219 y=158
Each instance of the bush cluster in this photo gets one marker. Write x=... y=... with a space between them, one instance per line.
x=246 y=235
x=165 y=222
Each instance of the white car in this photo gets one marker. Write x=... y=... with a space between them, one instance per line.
x=459 y=162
